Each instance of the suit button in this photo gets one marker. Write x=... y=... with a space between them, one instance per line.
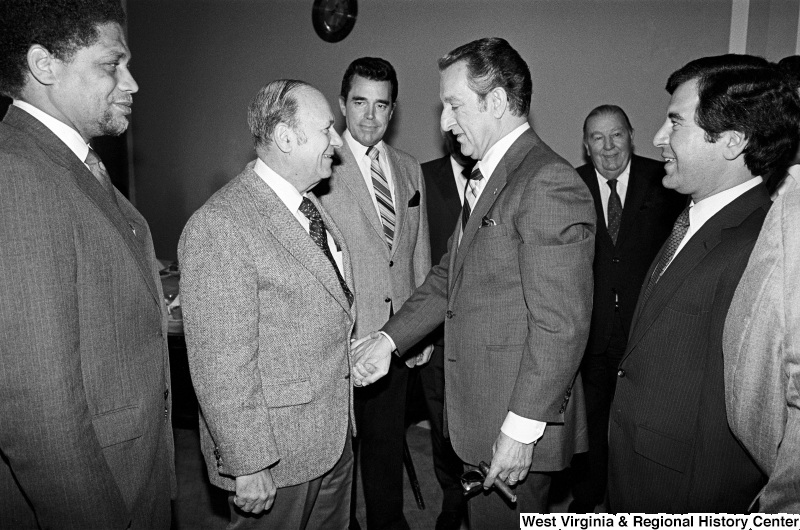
x=387 y=299
x=347 y=376
x=620 y=373
x=614 y=260
x=166 y=394
x=450 y=314
x=391 y=263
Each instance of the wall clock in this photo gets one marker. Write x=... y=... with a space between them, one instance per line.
x=334 y=19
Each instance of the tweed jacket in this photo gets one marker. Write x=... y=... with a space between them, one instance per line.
x=515 y=298
x=85 y=427
x=268 y=337
x=762 y=355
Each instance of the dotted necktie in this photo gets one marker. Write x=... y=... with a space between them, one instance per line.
x=316 y=229
x=471 y=191
x=100 y=173
x=678 y=233
x=383 y=195
x=614 y=211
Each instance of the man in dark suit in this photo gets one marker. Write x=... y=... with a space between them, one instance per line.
x=377 y=199
x=635 y=214
x=85 y=429
x=731 y=119
x=514 y=290
x=445 y=182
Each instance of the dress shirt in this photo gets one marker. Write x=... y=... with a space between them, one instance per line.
x=461 y=180
x=365 y=164
x=292 y=198
x=605 y=190
x=704 y=210
x=65 y=133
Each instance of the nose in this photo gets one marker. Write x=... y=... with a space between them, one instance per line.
x=608 y=143
x=662 y=135
x=370 y=112
x=448 y=119
x=336 y=140
x=126 y=82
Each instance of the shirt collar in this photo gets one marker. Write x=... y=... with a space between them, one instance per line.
x=496 y=152
x=704 y=210
x=621 y=179
x=360 y=151
x=285 y=191
x=65 y=133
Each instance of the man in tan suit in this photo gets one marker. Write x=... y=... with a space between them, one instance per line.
x=85 y=430
x=514 y=290
x=268 y=314
x=377 y=198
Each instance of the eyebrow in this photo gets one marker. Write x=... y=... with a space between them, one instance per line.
x=675 y=116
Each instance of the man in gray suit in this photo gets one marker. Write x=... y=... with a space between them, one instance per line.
x=514 y=290
x=85 y=431
x=268 y=312
x=377 y=198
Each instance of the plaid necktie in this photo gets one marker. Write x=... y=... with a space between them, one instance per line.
x=471 y=191
x=679 y=230
x=614 y=211
x=383 y=195
x=316 y=229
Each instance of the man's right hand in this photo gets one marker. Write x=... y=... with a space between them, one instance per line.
x=371 y=359
x=255 y=493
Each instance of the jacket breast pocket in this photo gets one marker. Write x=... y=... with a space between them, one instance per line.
x=288 y=393
x=491 y=232
x=117 y=426
x=662 y=449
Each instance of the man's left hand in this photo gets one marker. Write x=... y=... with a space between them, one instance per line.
x=511 y=461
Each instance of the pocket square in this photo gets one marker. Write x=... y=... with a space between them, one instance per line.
x=487 y=221
x=414 y=200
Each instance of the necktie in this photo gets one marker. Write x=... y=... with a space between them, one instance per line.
x=100 y=173
x=614 y=211
x=383 y=195
x=678 y=233
x=316 y=229
x=471 y=191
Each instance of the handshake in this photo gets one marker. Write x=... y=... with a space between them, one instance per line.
x=372 y=355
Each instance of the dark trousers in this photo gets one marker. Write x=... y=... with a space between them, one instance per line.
x=446 y=464
x=380 y=421
x=599 y=373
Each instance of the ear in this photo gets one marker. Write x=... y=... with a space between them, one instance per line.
x=733 y=144
x=343 y=106
x=284 y=137
x=497 y=100
x=42 y=65
x=391 y=111
x=586 y=147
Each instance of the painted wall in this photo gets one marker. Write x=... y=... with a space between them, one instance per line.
x=199 y=62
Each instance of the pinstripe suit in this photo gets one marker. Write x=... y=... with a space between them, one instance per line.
x=267 y=333
x=670 y=446
x=85 y=432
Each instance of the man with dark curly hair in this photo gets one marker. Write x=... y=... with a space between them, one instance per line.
x=85 y=431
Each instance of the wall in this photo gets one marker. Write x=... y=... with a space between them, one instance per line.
x=199 y=62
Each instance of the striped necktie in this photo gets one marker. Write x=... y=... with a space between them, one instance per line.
x=383 y=196
x=471 y=192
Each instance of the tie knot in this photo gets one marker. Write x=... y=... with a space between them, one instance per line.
x=93 y=160
x=308 y=209
x=476 y=174
x=612 y=183
x=372 y=152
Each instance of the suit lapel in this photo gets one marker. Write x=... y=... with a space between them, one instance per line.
x=402 y=194
x=638 y=189
x=692 y=254
x=350 y=173
x=285 y=228
x=88 y=184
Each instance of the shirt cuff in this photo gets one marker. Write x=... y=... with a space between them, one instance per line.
x=521 y=429
x=394 y=347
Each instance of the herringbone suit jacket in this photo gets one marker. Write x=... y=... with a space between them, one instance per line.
x=267 y=329
x=762 y=355
x=85 y=429
x=515 y=298
x=670 y=448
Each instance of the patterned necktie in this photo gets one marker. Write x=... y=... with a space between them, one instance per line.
x=383 y=195
x=614 y=211
x=316 y=229
x=101 y=174
x=471 y=191
x=678 y=233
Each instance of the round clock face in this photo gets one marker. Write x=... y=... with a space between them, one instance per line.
x=334 y=19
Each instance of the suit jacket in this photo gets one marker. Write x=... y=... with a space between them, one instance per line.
x=649 y=212
x=762 y=355
x=670 y=446
x=516 y=299
x=267 y=335
x=382 y=279
x=86 y=435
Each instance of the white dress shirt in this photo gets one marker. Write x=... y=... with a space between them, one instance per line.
x=292 y=198
x=704 y=210
x=65 y=133
x=605 y=190
x=365 y=164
